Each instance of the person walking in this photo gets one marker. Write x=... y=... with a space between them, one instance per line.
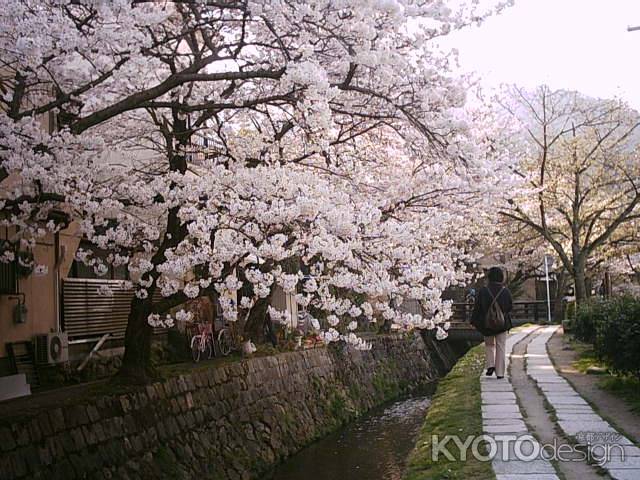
x=491 y=317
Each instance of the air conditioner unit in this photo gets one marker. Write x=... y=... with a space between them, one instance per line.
x=51 y=348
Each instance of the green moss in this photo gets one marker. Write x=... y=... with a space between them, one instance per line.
x=337 y=406
x=355 y=392
x=166 y=462
x=386 y=384
x=382 y=384
x=455 y=410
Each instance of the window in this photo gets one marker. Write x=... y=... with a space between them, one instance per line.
x=80 y=270
x=8 y=278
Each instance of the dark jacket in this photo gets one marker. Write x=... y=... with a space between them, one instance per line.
x=482 y=304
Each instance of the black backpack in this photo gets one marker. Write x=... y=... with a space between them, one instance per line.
x=495 y=316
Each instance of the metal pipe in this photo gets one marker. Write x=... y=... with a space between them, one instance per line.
x=93 y=351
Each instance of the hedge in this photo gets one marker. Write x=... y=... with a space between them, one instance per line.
x=613 y=327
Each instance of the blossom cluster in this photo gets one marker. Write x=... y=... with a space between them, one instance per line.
x=337 y=142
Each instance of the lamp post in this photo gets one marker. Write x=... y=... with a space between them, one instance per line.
x=548 y=262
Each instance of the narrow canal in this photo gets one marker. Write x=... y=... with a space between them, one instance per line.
x=373 y=447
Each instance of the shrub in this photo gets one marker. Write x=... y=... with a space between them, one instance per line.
x=588 y=315
x=617 y=339
x=613 y=328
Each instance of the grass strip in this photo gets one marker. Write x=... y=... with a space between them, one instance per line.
x=455 y=410
x=622 y=386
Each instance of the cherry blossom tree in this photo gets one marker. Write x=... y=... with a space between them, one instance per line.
x=210 y=147
x=580 y=155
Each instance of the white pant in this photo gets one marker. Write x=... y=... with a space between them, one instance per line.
x=494 y=350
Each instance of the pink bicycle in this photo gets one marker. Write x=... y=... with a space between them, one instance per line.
x=202 y=342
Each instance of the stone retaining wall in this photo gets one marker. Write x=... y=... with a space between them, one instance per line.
x=230 y=422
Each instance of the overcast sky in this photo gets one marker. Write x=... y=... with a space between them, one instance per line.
x=574 y=44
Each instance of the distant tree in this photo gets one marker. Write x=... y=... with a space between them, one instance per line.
x=580 y=157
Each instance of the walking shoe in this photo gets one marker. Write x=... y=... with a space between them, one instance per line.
x=499 y=378
x=490 y=371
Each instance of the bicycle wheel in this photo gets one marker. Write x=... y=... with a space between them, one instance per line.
x=224 y=342
x=195 y=348
x=208 y=347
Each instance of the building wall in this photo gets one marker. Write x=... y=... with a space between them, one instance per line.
x=283 y=301
x=39 y=292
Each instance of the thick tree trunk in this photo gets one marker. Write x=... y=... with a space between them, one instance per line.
x=254 y=326
x=579 y=279
x=136 y=364
x=558 y=306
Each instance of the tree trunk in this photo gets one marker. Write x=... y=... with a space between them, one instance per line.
x=254 y=327
x=558 y=306
x=580 y=284
x=385 y=327
x=136 y=364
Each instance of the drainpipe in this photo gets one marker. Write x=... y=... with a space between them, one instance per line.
x=58 y=259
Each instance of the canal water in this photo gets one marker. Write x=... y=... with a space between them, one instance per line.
x=373 y=447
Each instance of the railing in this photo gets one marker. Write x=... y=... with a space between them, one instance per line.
x=523 y=312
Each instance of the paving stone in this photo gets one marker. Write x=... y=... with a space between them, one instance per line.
x=557 y=387
x=525 y=447
x=540 y=369
x=500 y=408
x=578 y=417
x=566 y=400
x=617 y=463
x=498 y=401
x=549 y=379
x=493 y=380
x=527 y=476
x=559 y=390
x=624 y=441
x=496 y=387
x=522 y=467
x=573 y=409
x=575 y=427
x=498 y=395
x=500 y=420
x=625 y=474
x=506 y=428
x=626 y=450
x=501 y=415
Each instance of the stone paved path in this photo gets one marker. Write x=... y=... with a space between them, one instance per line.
x=575 y=417
x=502 y=419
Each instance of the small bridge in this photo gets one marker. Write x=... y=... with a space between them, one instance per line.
x=523 y=312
